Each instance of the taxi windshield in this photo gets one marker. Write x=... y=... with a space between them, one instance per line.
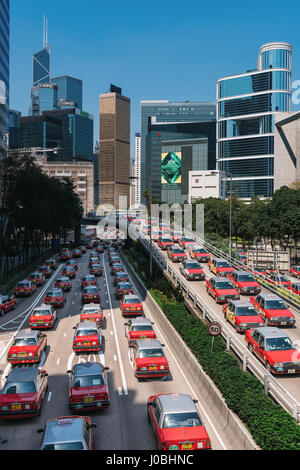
x=223 y=264
x=151 y=352
x=39 y=313
x=142 y=328
x=132 y=301
x=224 y=285
x=124 y=285
x=279 y=344
x=92 y=310
x=88 y=381
x=86 y=332
x=246 y=310
x=193 y=266
x=281 y=279
x=246 y=278
x=54 y=293
x=13 y=388
x=91 y=290
x=200 y=250
x=181 y=420
x=25 y=342
x=23 y=284
x=89 y=278
x=63 y=279
x=177 y=250
x=275 y=305
x=64 y=446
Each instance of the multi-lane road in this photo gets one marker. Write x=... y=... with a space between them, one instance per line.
x=123 y=425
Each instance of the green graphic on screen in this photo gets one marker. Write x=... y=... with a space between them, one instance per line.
x=171 y=168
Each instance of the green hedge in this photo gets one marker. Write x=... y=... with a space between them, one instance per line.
x=271 y=427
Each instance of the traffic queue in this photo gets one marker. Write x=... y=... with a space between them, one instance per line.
x=175 y=419
x=245 y=305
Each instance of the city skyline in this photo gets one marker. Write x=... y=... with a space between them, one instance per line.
x=137 y=63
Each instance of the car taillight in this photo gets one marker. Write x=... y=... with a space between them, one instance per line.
x=164 y=446
x=103 y=396
x=208 y=444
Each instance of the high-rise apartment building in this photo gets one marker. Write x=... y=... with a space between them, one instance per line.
x=160 y=112
x=4 y=73
x=137 y=168
x=114 y=167
x=69 y=90
x=246 y=107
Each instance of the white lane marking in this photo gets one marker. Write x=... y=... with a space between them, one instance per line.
x=109 y=314
x=183 y=374
x=70 y=361
x=120 y=392
x=115 y=358
x=111 y=332
x=58 y=361
x=49 y=396
x=130 y=358
x=65 y=334
x=116 y=338
x=5 y=373
x=29 y=309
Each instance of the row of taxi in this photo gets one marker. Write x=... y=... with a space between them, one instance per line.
x=174 y=417
x=257 y=317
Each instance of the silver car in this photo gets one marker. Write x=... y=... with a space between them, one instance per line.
x=68 y=433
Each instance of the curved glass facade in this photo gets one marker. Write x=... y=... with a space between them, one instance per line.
x=4 y=71
x=246 y=107
x=276 y=58
x=248 y=84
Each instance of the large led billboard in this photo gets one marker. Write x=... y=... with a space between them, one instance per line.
x=171 y=168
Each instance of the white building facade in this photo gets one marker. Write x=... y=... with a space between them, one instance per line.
x=205 y=184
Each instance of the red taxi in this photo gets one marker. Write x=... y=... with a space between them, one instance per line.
x=88 y=280
x=295 y=271
x=88 y=387
x=7 y=303
x=65 y=256
x=220 y=267
x=192 y=270
x=139 y=328
x=117 y=267
x=273 y=310
x=149 y=360
x=131 y=305
x=164 y=242
x=221 y=289
x=120 y=276
x=63 y=283
x=27 y=347
x=176 y=236
x=90 y=294
x=176 y=422
x=45 y=270
x=184 y=241
x=51 y=263
x=295 y=287
x=23 y=393
x=275 y=349
x=242 y=315
x=176 y=254
x=87 y=337
x=244 y=282
x=55 y=297
x=37 y=278
x=73 y=262
x=123 y=288
x=24 y=288
x=42 y=317
x=76 y=253
x=92 y=312
x=69 y=271
x=279 y=281
x=199 y=254
x=96 y=269
x=94 y=260
x=100 y=249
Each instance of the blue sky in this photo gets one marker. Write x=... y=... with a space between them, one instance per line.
x=153 y=50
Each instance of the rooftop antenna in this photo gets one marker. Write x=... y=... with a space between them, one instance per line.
x=45 y=33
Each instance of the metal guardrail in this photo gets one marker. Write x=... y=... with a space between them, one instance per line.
x=271 y=385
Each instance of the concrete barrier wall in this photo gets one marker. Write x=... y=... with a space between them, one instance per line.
x=229 y=422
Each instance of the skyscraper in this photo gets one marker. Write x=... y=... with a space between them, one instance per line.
x=137 y=168
x=43 y=98
x=245 y=120
x=114 y=142
x=163 y=111
x=69 y=90
x=4 y=72
x=41 y=60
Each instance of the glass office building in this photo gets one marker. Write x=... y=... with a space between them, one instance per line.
x=4 y=72
x=69 y=130
x=246 y=105
x=41 y=67
x=156 y=113
x=43 y=98
x=174 y=149
x=69 y=90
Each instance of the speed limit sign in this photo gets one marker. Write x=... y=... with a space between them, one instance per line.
x=214 y=329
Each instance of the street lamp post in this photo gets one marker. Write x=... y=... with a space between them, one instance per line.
x=150 y=202
x=230 y=213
